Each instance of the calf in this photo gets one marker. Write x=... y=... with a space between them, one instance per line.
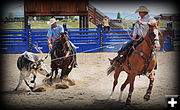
x=29 y=64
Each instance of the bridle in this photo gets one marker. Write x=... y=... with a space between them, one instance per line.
x=151 y=40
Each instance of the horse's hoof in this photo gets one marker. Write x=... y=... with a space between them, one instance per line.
x=32 y=81
x=128 y=102
x=121 y=101
x=147 y=97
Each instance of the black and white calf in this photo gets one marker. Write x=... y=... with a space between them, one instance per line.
x=29 y=64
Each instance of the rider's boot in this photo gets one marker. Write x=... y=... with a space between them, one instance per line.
x=121 y=57
x=75 y=64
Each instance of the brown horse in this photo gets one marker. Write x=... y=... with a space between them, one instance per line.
x=163 y=35
x=62 y=58
x=140 y=61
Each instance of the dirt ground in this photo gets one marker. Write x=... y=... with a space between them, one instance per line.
x=92 y=87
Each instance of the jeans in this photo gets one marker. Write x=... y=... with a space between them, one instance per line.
x=125 y=46
x=54 y=45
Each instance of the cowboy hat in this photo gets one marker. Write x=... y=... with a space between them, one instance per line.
x=52 y=21
x=142 y=9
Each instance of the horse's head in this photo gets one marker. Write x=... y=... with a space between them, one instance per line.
x=64 y=36
x=150 y=36
x=63 y=40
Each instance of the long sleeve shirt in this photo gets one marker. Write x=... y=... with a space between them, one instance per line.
x=142 y=29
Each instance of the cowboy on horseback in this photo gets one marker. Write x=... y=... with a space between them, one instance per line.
x=140 y=29
x=137 y=56
x=54 y=38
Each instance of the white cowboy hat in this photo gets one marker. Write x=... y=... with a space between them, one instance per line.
x=142 y=9
x=52 y=21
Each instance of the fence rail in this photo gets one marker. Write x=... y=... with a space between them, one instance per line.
x=85 y=39
x=13 y=40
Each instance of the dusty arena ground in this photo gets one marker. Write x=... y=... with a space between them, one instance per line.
x=92 y=87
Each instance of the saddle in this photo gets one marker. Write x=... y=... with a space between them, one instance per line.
x=123 y=54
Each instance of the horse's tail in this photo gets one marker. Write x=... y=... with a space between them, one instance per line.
x=110 y=69
x=114 y=63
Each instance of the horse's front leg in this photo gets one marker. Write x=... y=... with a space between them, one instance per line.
x=52 y=72
x=70 y=82
x=61 y=84
x=63 y=73
x=148 y=92
x=56 y=72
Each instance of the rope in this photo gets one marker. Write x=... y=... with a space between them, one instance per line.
x=87 y=51
x=94 y=48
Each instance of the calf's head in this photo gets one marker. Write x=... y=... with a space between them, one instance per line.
x=40 y=67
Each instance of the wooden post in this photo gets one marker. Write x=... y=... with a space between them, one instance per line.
x=26 y=22
x=28 y=28
x=86 y=22
x=95 y=21
x=80 y=21
x=100 y=35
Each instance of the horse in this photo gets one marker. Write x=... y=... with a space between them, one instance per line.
x=163 y=35
x=139 y=61
x=62 y=58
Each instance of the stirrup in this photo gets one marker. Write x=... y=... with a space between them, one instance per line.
x=75 y=66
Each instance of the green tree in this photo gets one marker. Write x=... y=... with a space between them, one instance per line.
x=66 y=17
x=44 y=18
x=71 y=17
x=119 y=16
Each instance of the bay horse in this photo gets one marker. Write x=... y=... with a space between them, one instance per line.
x=62 y=58
x=139 y=61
